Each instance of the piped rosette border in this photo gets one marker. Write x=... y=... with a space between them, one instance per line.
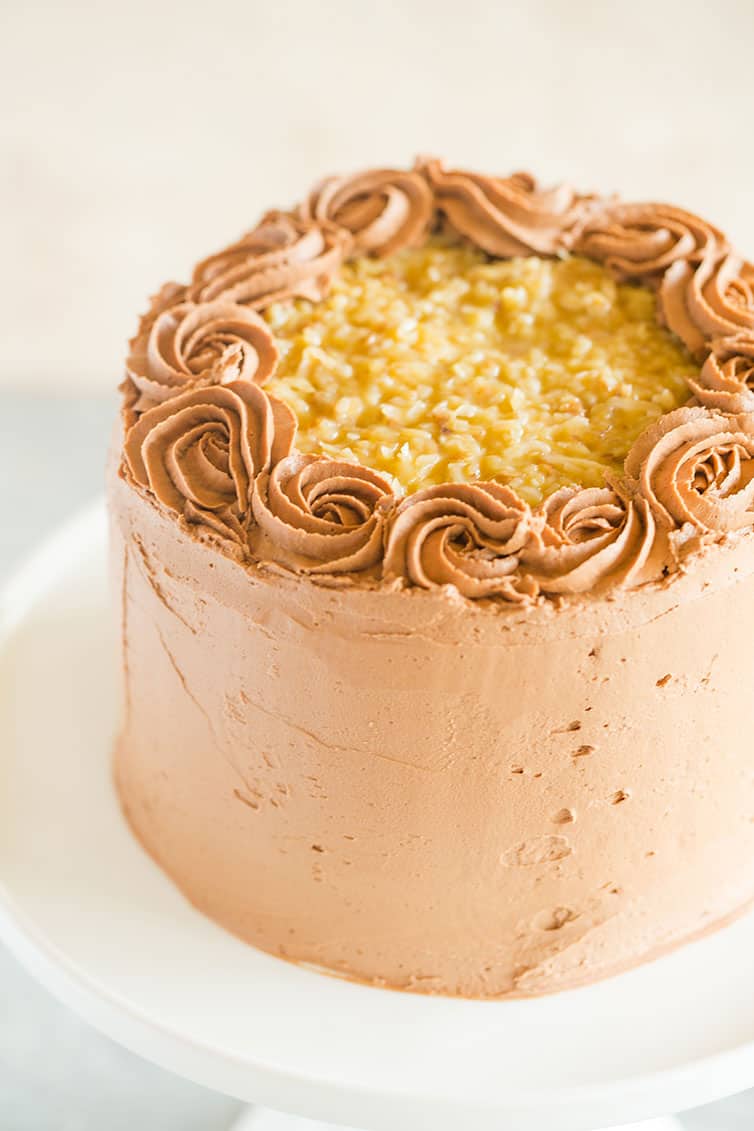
x=206 y=440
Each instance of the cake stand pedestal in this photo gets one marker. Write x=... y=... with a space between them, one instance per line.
x=92 y=917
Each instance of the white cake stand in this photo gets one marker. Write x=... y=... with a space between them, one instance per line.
x=90 y=915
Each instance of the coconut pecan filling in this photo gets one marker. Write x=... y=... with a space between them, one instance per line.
x=440 y=365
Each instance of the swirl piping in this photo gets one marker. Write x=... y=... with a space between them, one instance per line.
x=384 y=210
x=591 y=536
x=507 y=216
x=640 y=241
x=198 y=344
x=322 y=515
x=466 y=535
x=697 y=466
x=282 y=258
x=200 y=452
x=212 y=446
x=710 y=300
x=726 y=382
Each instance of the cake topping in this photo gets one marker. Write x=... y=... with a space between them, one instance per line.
x=465 y=535
x=640 y=241
x=706 y=291
x=726 y=382
x=503 y=360
x=507 y=216
x=590 y=537
x=282 y=258
x=205 y=448
x=708 y=300
x=321 y=515
x=696 y=466
x=437 y=365
x=383 y=209
x=193 y=344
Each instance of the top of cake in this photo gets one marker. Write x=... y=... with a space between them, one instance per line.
x=437 y=364
x=436 y=378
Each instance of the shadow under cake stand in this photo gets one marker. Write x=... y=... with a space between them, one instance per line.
x=91 y=916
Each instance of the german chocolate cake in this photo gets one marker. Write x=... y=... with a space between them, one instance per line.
x=431 y=513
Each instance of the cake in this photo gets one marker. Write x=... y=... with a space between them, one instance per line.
x=431 y=507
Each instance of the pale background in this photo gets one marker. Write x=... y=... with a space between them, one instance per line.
x=136 y=137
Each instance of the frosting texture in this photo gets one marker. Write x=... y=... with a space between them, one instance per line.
x=507 y=216
x=200 y=452
x=705 y=289
x=591 y=538
x=460 y=746
x=284 y=257
x=695 y=466
x=430 y=795
x=193 y=344
x=206 y=442
x=467 y=536
x=640 y=241
x=726 y=381
x=383 y=210
x=321 y=515
x=708 y=300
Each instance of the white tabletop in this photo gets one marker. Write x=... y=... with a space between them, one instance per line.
x=54 y=1071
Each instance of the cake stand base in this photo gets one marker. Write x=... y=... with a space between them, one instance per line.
x=260 y=1119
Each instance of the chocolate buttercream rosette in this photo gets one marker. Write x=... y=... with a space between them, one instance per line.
x=322 y=516
x=708 y=300
x=468 y=536
x=695 y=469
x=726 y=381
x=639 y=242
x=383 y=210
x=192 y=344
x=592 y=538
x=211 y=446
x=507 y=216
x=284 y=257
x=200 y=452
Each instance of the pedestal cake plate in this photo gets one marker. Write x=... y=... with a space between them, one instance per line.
x=93 y=918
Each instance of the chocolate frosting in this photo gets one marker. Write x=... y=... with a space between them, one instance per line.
x=696 y=466
x=194 y=344
x=726 y=382
x=640 y=241
x=200 y=452
x=284 y=257
x=204 y=439
x=591 y=537
x=507 y=216
x=465 y=535
x=708 y=300
x=705 y=290
x=322 y=515
x=434 y=794
x=384 y=210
